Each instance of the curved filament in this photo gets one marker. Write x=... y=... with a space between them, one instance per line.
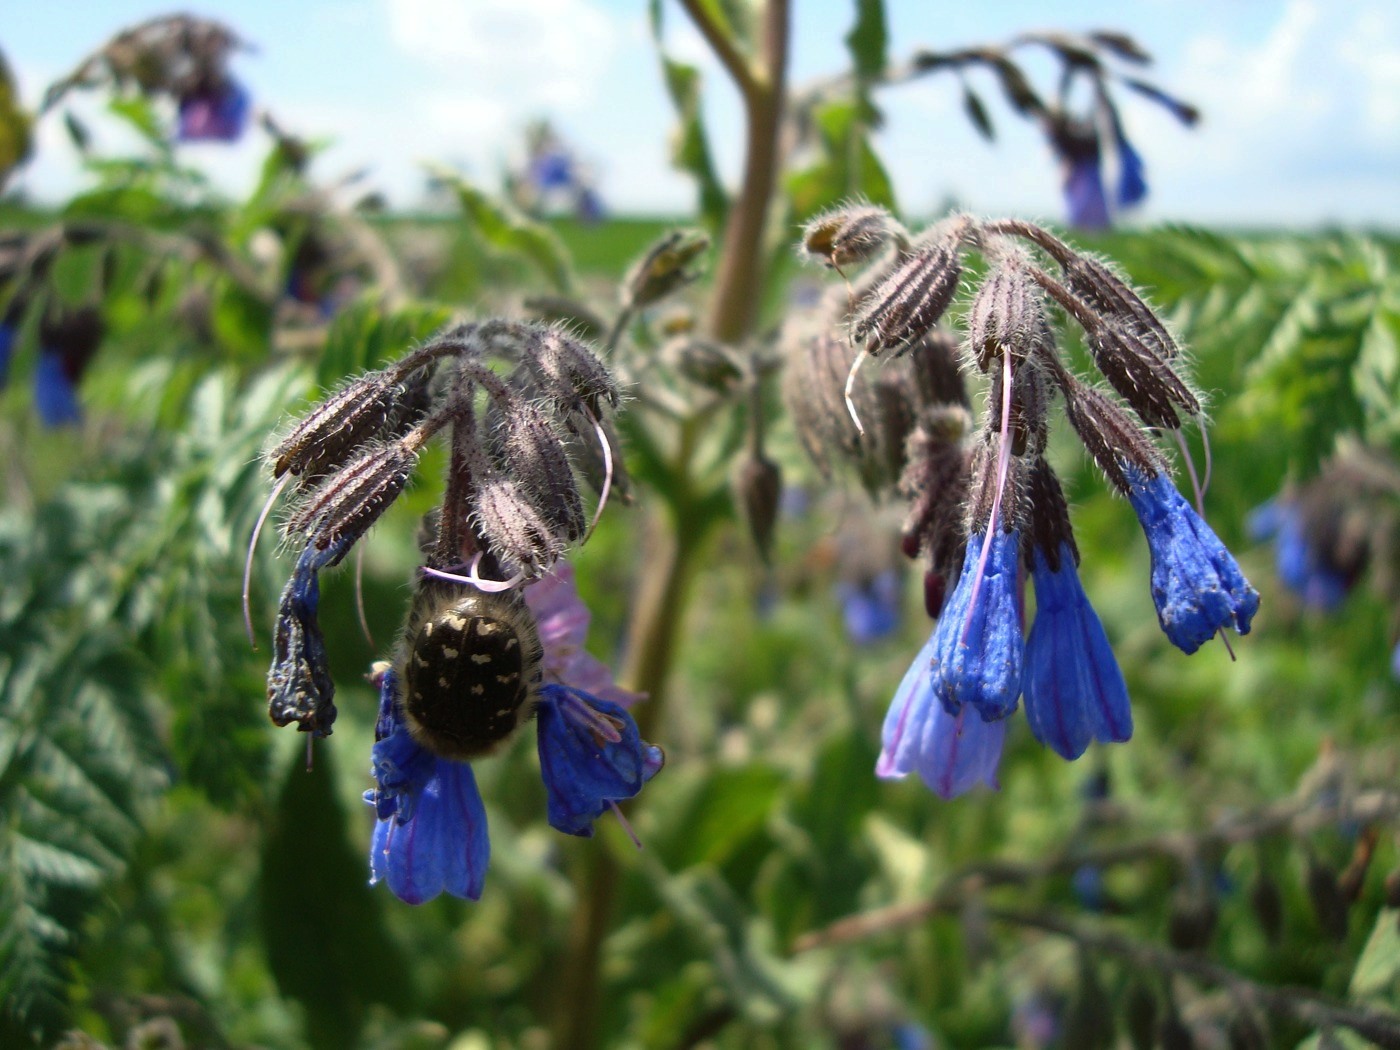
x=248 y=562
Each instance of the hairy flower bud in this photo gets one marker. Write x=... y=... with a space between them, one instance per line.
x=513 y=528
x=1110 y=296
x=705 y=363
x=910 y=300
x=935 y=482
x=1007 y=314
x=527 y=447
x=332 y=431
x=347 y=503
x=664 y=268
x=1110 y=435
x=933 y=362
x=847 y=235
x=1145 y=380
x=568 y=371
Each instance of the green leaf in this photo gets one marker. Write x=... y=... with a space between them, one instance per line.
x=691 y=151
x=1377 y=973
x=730 y=807
x=321 y=921
x=849 y=167
x=363 y=336
x=977 y=113
x=509 y=232
x=869 y=40
x=137 y=111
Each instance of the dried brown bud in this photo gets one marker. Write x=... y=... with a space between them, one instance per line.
x=935 y=482
x=664 y=268
x=847 y=235
x=346 y=504
x=1191 y=920
x=933 y=364
x=909 y=301
x=705 y=363
x=333 y=430
x=758 y=486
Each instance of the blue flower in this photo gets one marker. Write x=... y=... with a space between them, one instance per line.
x=591 y=756
x=977 y=645
x=1085 y=197
x=1132 y=179
x=7 y=349
x=552 y=169
x=430 y=833
x=1196 y=584
x=214 y=114
x=55 y=391
x=1074 y=689
x=951 y=753
x=870 y=609
x=1299 y=562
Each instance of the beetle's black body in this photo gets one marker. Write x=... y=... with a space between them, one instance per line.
x=470 y=668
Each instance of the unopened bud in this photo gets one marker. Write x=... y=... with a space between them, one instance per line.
x=933 y=363
x=568 y=371
x=705 y=363
x=1267 y=904
x=1140 y=1011
x=1110 y=435
x=335 y=428
x=342 y=509
x=528 y=448
x=1049 y=514
x=664 y=269
x=1110 y=296
x=758 y=486
x=847 y=235
x=908 y=302
x=1007 y=314
x=513 y=528
x=1191 y=921
x=1141 y=376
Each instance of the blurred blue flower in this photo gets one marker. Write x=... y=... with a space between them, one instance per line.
x=1132 y=177
x=1085 y=198
x=1196 y=584
x=591 y=756
x=7 y=349
x=977 y=643
x=1300 y=564
x=1074 y=689
x=55 y=391
x=430 y=833
x=216 y=113
x=552 y=169
x=870 y=608
x=951 y=753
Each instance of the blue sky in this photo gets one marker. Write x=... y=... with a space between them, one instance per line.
x=1301 y=98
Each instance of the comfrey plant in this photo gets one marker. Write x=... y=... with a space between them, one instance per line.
x=494 y=634
x=986 y=508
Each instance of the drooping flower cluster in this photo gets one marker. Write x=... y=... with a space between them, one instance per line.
x=1336 y=529
x=495 y=632
x=180 y=57
x=986 y=508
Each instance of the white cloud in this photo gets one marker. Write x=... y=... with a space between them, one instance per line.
x=530 y=53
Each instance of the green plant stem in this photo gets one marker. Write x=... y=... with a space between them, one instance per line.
x=741 y=258
x=673 y=546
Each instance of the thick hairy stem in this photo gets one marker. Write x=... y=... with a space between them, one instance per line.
x=741 y=256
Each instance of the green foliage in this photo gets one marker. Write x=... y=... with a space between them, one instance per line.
x=503 y=230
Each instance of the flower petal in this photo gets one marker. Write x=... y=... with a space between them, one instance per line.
x=978 y=646
x=591 y=755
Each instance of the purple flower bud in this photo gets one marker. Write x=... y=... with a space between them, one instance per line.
x=1196 y=584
